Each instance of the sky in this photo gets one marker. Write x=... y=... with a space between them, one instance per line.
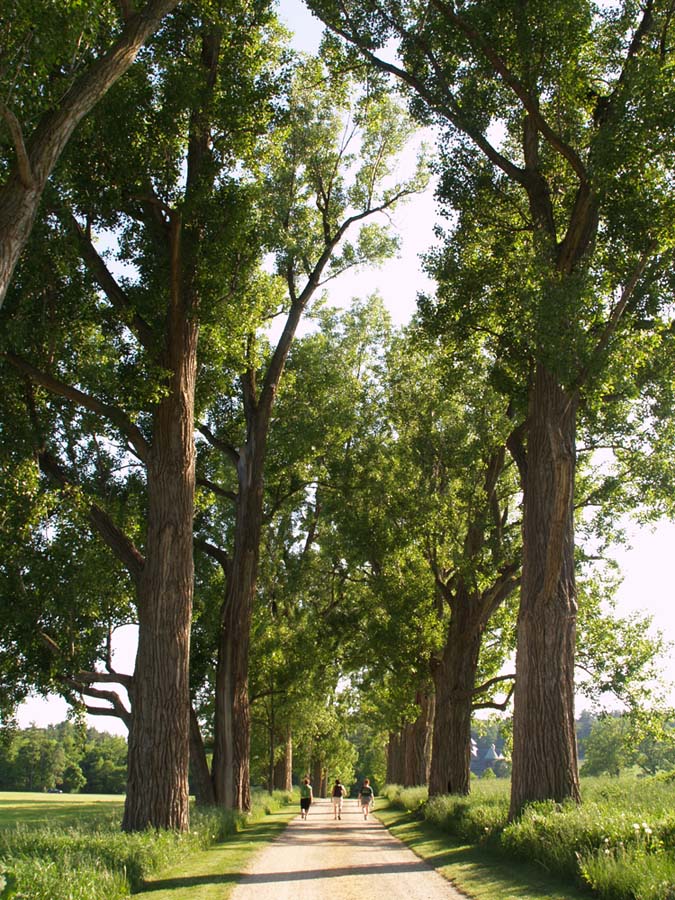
x=648 y=586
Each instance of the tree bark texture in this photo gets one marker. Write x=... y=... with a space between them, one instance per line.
x=232 y=731
x=417 y=740
x=544 y=744
x=395 y=761
x=20 y=195
x=200 y=776
x=454 y=681
x=159 y=737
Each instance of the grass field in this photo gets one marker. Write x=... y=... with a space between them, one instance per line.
x=70 y=847
x=66 y=809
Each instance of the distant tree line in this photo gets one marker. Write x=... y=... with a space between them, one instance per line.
x=64 y=758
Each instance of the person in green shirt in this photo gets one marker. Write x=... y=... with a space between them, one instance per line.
x=306 y=797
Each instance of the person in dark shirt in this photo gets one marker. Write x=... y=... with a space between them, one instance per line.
x=366 y=797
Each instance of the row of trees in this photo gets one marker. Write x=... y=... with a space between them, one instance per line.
x=231 y=153
x=63 y=757
x=385 y=499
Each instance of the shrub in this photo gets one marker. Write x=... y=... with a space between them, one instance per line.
x=466 y=818
x=410 y=799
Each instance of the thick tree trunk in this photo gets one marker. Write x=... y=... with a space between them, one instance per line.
x=20 y=195
x=454 y=680
x=417 y=740
x=159 y=736
x=200 y=776
x=318 y=778
x=544 y=745
x=232 y=732
x=395 y=767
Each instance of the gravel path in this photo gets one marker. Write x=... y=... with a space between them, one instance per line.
x=350 y=859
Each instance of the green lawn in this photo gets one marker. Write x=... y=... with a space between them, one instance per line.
x=476 y=872
x=43 y=809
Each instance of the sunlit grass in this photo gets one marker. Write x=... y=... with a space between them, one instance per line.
x=59 y=847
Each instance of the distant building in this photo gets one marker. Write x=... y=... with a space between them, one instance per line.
x=485 y=760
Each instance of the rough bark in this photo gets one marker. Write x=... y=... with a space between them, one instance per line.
x=159 y=737
x=417 y=742
x=200 y=776
x=395 y=767
x=544 y=744
x=233 y=715
x=454 y=681
x=20 y=195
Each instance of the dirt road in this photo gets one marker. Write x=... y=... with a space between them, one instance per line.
x=350 y=859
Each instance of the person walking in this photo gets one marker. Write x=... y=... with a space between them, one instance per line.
x=306 y=797
x=366 y=797
x=337 y=794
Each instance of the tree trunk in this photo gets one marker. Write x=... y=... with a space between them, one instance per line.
x=395 y=773
x=318 y=778
x=232 y=731
x=20 y=195
x=544 y=744
x=417 y=737
x=159 y=736
x=200 y=777
x=283 y=774
x=454 y=680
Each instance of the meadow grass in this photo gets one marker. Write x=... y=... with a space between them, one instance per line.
x=620 y=842
x=471 y=868
x=76 y=850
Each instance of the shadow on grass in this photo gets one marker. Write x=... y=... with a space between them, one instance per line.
x=213 y=867
x=190 y=881
x=468 y=865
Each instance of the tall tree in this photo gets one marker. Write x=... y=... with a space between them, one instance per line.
x=57 y=65
x=120 y=353
x=577 y=197
x=331 y=172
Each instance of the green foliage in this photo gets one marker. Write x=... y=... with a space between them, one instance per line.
x=62 y=757
x=643 y=738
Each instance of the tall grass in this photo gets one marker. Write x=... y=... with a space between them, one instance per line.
x=620 y=842
x=96 y=859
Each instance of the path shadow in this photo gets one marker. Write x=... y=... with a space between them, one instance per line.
x=167 y=884
x=351 y=871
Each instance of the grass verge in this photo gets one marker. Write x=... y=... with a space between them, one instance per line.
x=473 y=870
x=212 y=874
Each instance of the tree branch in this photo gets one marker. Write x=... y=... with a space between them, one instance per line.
x=615 y=315
x=23 y=165
x=108 y=284
x=219 y=444
x=115 y=415
x=121 y=545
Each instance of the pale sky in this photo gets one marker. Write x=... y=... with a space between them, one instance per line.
x=648 y=584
